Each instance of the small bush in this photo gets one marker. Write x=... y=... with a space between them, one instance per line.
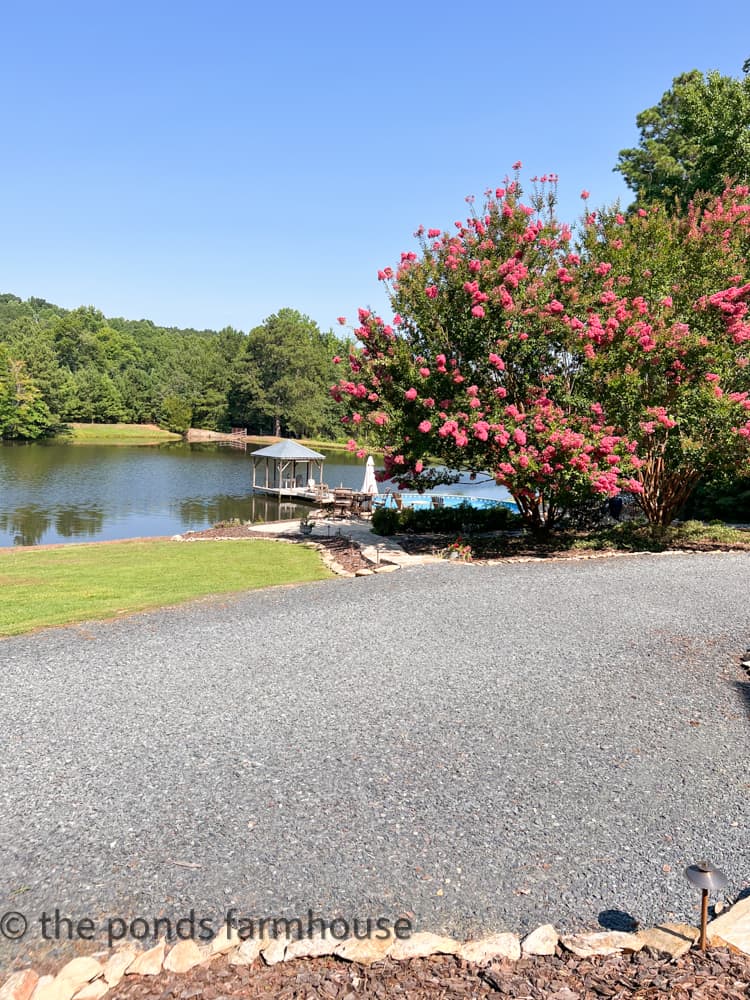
x=727 y=501
x=463 y=519
x=385 y=521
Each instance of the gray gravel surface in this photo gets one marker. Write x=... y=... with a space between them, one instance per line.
x=484 y=747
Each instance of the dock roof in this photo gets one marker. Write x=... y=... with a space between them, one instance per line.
x=291 y=451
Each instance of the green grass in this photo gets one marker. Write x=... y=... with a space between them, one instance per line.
x=77 y=433
x=74 y=583
x=117 y=434
x=313 y=443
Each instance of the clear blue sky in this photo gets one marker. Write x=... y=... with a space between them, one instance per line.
x=204 y=164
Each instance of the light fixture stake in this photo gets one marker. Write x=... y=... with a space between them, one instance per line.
x=706 y=878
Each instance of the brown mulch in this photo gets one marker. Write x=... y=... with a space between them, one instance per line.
x=346 y=553
x=717 y=975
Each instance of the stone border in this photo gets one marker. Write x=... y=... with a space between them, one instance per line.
x=91 y=978
x=330 y=561
x=327 y=559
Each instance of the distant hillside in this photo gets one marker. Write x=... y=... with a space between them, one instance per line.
x=59 y=365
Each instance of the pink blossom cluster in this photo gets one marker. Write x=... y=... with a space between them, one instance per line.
x=500 y=316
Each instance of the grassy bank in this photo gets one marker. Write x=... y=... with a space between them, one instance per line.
x=117 y=434
x=74 y=583
x=78 y=433
x=307 y=442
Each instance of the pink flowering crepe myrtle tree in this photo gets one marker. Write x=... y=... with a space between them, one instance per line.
x=666 y=338
x=478 y=369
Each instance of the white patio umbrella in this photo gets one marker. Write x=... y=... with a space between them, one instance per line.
x=369 y=485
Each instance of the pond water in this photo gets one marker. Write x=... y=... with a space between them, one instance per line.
x=57 y=492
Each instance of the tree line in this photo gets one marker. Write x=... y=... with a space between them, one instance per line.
x=59 y=365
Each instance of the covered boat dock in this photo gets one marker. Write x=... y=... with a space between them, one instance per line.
x=290 y=470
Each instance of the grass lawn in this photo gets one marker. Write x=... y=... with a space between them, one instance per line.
x=151 y=434
x=312 y=443
x=74 y=583
x=118 y=434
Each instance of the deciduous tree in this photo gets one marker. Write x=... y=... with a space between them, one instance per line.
x=693 y=140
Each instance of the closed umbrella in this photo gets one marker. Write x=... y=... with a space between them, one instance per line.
x=369 y=484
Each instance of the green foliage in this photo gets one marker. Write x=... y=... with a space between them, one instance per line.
x=690 y=535
x=443 y=520
x=385 y=521
x=83 y=366
x=176 y=414
x=667 y=359
x=696 y=137
x=281 y=381
x=619 y=362
x=23 y=413
x=726 y=500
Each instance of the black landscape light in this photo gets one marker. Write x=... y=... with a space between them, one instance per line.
x=708 y=879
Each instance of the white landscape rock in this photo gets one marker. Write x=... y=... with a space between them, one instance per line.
x=184 y=956
x=69 y=980
x=732 y=927
x=423 y=945
x=225 y=941
x=116 y=964
x=601 y=943
x=311 y=947
x=670 y=939
x=76 y=974
x=42 y=987
x=92 y=991
x=247 y=952
x=541 y=941
x=490 y=948
x=364 y=950
x=148 y=963
x=19 y=986
x=273 y=950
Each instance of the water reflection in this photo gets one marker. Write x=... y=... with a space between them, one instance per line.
x=73 y=522
x=256 y=508
x=29 y=525
x=55 y=492
x=24 y=525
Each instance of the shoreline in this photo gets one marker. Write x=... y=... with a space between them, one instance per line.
x=197 y=434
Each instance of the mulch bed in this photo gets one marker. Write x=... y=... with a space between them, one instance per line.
x=717 y=975
x=344 y=551
x=518 y=546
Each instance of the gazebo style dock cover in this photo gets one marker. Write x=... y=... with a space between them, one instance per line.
x=288 y=469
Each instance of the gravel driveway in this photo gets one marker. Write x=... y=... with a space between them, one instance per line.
x=483 y=747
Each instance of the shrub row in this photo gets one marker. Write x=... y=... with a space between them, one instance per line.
x=443 y=520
